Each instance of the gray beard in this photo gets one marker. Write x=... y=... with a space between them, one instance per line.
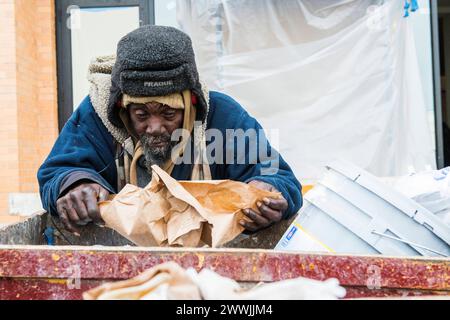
x=153 y=155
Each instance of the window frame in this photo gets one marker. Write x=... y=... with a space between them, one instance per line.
x=64 y=44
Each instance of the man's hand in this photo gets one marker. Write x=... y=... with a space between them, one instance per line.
x=79 y=206
x=269 y=211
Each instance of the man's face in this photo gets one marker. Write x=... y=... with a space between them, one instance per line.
x=154 y=124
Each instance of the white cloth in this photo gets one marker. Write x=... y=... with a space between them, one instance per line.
x=168 y=281
x=215 y=287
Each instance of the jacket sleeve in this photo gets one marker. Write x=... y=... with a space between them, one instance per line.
x=256 y=159
x=84 y=150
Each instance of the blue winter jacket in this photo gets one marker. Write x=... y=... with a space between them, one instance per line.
x=86 y=150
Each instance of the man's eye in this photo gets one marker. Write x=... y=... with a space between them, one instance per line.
x=141 y=115
x=169 y=114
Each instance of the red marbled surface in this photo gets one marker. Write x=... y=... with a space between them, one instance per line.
x=39 y=272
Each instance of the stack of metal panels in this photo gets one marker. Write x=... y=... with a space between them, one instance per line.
x=351 y=211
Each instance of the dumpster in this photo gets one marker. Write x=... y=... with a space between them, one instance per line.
x=30 y=269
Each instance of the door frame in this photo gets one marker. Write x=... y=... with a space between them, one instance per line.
x=64 y=44
x=437 y=84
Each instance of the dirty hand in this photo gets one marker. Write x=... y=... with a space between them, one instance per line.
x=79 y=206
x=269 y=211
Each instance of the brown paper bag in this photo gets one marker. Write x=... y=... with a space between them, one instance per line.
x=181 y=213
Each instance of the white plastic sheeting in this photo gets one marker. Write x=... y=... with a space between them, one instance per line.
x=431 y=189
x=338 y=79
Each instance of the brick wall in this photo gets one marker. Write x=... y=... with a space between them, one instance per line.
x=28 y=97
x=9 y=156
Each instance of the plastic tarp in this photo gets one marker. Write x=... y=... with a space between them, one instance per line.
x=326 y=78
x=431 y=189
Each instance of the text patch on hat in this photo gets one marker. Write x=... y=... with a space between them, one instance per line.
x=155 y=84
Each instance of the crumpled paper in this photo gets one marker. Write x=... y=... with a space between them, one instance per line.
x=168 y=281
x=181 y=213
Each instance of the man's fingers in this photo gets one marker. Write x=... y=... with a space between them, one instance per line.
x=251 y=226
x=90 y=196
x=66 y=222
x=258 y=219
x=79 y=207
x=92 y=208
x=269 y=213
x=103 y=195
x=71 y=213
x=276 y=204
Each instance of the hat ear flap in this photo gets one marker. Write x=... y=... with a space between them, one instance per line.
x=115 y=97
x=114 y=106
x=201 y=104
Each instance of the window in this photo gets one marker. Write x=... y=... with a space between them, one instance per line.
x=86 y=29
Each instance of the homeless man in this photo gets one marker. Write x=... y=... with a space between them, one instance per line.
x=138 y=100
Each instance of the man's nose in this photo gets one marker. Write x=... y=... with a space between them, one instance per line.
x=155 y=126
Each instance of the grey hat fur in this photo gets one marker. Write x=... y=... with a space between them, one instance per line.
x=154 y=61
